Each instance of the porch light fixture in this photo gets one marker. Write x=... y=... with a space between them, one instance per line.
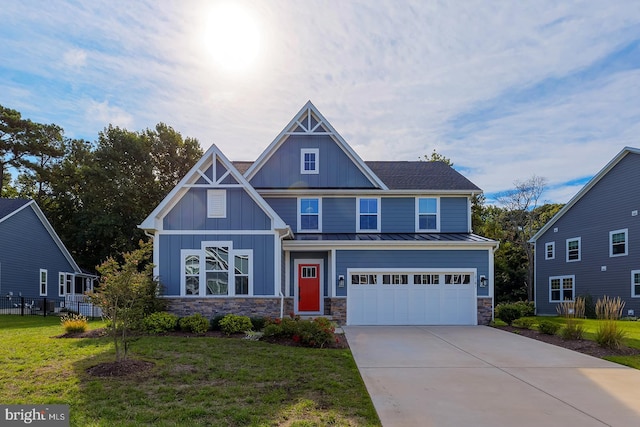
x=341 y=281
x=483 y=281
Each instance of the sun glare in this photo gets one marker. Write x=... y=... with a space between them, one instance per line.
x=233 y=37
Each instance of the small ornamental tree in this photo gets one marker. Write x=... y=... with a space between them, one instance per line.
x=127 y=292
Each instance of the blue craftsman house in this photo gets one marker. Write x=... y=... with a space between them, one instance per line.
x=592 y=245
x=34 y=263
x=310 y=228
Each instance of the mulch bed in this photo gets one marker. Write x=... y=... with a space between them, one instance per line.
x=583 y=346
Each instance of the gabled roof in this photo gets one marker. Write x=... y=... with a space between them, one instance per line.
x=585 y=189
x=11 y=207
x=309 y=121
x=418 y=175
x=197 y=174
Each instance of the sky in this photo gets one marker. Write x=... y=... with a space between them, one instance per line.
x=505 y=89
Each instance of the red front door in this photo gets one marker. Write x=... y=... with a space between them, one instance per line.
x=309 y=287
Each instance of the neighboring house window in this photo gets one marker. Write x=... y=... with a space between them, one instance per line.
x=573 y=249
x=550 y=250
x=368 y=215
x=618 y=243
x=309 y=212
x=216 y=203
x=561 y=288
x=43 y=282
x=65 y=282
x=309 y=159
x=427 y=209
x=635 y=283
x=216 y=270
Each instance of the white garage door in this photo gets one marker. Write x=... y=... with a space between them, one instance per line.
x=411 y=297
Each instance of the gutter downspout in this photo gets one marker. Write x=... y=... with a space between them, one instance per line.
x=287 y=233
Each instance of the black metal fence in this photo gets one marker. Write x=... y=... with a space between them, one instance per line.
x=44 y=306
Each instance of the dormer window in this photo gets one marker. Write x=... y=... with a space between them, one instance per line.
x=309 y=159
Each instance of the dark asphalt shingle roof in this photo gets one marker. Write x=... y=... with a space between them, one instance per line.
x=8 y=206
x=405 y=175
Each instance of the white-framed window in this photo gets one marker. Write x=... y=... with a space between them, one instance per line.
x=65 y=284
x=427 y=218
x=43 y=282
x=635 y=283
x=309 y=215
x=550 y=250
x=216 y=203
x=618 y=242
x=573 y=249
x=216 y=269
x=561 y=288
x=393 y=276
x=368 y=214
x=309 y=161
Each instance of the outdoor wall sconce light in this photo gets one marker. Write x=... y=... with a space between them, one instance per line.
x=483 y=281
x=341 y=281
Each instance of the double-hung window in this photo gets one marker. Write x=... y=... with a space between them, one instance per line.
x=573 y=249
x=427 y=214
x=43 y=282
x=561 y=288
x=309 y=215
x=635 y=283
x=550 y=250
x=368 y=215
x=618 y=243
x=216 y=270
x=309 y=161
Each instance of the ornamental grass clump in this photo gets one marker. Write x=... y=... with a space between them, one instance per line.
x=73 y=323
x=573 y=313
x=609 y=311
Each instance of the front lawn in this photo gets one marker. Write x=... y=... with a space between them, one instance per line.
x=195 y=381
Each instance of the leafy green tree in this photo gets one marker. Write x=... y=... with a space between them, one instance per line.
x=126 y=294
x=27 y=146
x=437 y=157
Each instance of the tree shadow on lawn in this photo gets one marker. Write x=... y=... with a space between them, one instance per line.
x=221 y=381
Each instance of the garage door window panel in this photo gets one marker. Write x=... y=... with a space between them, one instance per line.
x=426 y=279
x=457 y=279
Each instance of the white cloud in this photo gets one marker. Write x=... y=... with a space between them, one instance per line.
x=105 y=114
x=74 y=58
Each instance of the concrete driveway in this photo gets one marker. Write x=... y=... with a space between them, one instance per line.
x=480 y=376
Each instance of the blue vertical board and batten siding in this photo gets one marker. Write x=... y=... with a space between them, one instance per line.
x=286 y=208
x=454 y=215
x=31 y=248
x=190 y=213
x=263 y=258
x=398 y=215
x=339 y=215
x=606 y=207
x=336 y=169
x=413 y=259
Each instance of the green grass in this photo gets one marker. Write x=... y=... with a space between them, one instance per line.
x=632 y=329
x=196 y=381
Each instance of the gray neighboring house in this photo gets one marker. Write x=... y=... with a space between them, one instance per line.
x=34 y=263
x=592 y=245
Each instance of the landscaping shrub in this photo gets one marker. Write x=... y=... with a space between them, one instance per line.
x=573 y=312
x=74 y=323
x=233 y=324
x=609 y=334
x=508 y=313
x=547 y=327
x=524 y=323
x=526 y=308
x=310 y=333
x=159 y=322
x=195 y=323
x=258 y=323
x=215 y=322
